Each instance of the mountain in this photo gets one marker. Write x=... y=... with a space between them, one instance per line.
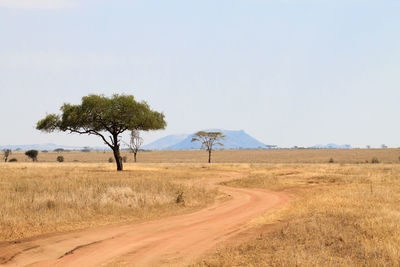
x=165 y=142
x=234 y=140
x=332 y=146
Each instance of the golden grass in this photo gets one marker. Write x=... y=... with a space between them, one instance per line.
x=343 y=215
x=340 y=214
x=44 y=198
x=231 y=156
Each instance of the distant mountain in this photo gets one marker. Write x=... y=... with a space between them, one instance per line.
x=234 y=140
x=165 y=142
x=332 y=146
x=48 y=147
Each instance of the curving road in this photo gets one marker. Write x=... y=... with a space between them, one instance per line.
x=170 y=241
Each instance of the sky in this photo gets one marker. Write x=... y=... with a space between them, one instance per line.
x=288 y=72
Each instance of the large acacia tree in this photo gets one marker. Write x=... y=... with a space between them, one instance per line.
x=105 y=117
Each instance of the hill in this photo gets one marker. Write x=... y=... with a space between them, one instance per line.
x=234 y=140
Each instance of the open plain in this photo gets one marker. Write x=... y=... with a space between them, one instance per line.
x=171 y=209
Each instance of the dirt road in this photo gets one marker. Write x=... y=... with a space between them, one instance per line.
x=170 y=241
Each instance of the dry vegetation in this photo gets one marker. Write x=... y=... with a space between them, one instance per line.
x=230 y=156
x=44 y=198
x=343 y=215
x=340 y=214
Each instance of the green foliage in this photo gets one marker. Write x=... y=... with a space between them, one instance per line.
x=32 y=154
x=99 y=115
x=60 y=159
x=208 y=140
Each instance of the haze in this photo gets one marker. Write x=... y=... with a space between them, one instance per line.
x=287 y=72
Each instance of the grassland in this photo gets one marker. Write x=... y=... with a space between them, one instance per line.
x=231 y=156
x=49 y=197
x=341 y=214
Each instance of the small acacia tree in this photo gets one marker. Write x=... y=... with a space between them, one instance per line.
x=208 y=140
x=32 y=154
x=135 y=142
x=105 y=117
x=6 y=154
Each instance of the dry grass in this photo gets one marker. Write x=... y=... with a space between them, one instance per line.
x=44 y=198
x=231 y=156
x=341 y=214
x=344 y=215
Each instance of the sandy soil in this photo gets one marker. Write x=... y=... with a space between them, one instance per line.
x=173 y=241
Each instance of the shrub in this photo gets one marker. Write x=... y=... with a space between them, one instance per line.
x=124 y=159
x=111 y=160
x=374 y=160
x=60 y=159
x=32 y=154
x=13 y=160
x=331 y=160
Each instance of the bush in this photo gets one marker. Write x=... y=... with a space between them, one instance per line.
x=32 y=154
x=124 y=159
x=111 y=160
x=374 y=160
x=13 y=160
x=331 y=160
x=60 y=159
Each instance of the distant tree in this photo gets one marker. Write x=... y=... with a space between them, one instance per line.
x=384 y=146
x=59 y=150
x=135 y=142
x=85 y=149
x=208 y=140
x=101 y=116
x=60 y=159
x=32 y=154
x=6 y=154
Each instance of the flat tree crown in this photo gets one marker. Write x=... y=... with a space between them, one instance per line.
x=98 y=113
x=208 y=139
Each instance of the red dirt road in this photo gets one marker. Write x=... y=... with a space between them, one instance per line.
x=170 y=241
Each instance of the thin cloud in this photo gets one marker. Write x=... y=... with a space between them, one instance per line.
x=37 y=4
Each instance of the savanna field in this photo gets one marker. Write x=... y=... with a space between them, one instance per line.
x=343 y=210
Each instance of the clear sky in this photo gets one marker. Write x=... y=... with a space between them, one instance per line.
x=294 y=72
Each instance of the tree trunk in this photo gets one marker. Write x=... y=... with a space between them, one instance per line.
x=134 y=156
x=209 y=156
x=118 y=159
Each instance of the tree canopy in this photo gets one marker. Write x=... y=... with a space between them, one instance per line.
x=208 y=140
x=106 y=117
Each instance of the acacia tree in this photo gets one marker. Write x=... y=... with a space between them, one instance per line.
x=208 y=140
x=7 y=153
x=105 y=117
x=135 y=142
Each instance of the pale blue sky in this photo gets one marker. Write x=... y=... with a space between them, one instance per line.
x=288 y=72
